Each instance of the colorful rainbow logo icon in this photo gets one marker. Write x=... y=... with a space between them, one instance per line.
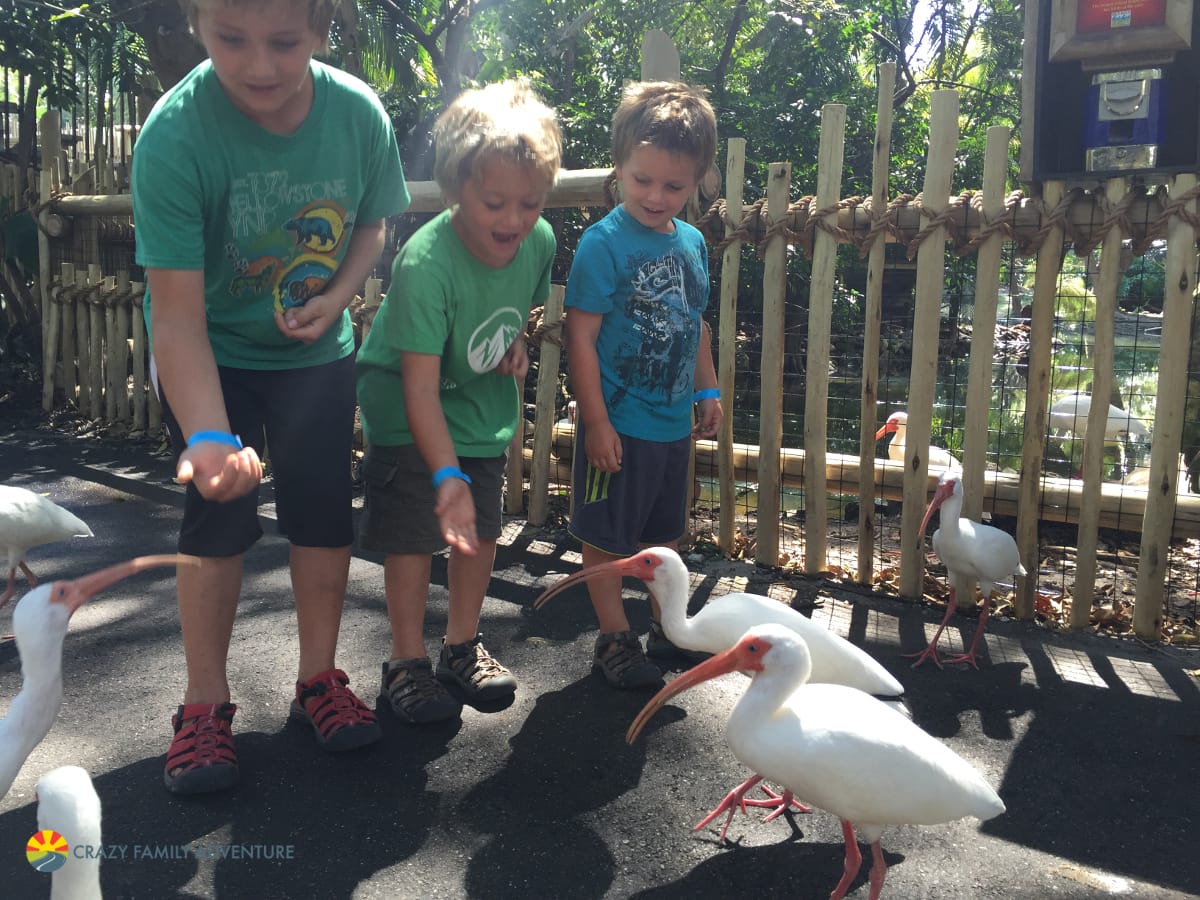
x=46 y=850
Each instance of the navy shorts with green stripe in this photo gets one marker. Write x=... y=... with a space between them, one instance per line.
x=644 y=503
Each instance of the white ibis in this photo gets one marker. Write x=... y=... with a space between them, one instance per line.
x=29 y=520
x=897 y=426
x=40 y=622
x=1071 y=411
x=69 y=805
x=720 y=624
x=968 y=550
x=845 y=751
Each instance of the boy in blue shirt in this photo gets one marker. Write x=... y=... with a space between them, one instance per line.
x=636 y=293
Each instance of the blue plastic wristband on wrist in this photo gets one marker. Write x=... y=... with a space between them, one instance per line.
x=216 y=437
x=707 y=394
x=449 y=472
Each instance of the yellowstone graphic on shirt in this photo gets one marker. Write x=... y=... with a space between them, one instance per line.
x=287 y=250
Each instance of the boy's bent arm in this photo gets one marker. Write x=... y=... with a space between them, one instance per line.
x=187 y=372
x=708 y=421
x=603 y=445
x=455 y=507
x=308 y=322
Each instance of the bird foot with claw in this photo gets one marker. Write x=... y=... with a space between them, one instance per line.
x=928 y=653
x=962 y=658
x=779 y=803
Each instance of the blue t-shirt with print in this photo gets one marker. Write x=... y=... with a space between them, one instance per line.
x=651 y=288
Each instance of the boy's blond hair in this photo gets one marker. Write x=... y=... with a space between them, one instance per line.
x=669 y=115
x=505 y=120
x=320 y=12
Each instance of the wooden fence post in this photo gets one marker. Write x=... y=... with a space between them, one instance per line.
x=820 y=318
x=51 y=311
x=983 y=330
x=83 y=344
x=770 y=424
x=124 y=342
x=931 y=266
x=1045 y=290
x=543 y=423
x=95 y=304
x=872 y=318
x=109 y=298
x=731 y=260
x=1093 y=438
x=1168 y=412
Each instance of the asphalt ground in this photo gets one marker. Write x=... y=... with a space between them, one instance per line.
x=1092 y=742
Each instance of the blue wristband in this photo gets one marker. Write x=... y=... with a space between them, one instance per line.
x=216 y=437
x=707 y=394
x=449 y=472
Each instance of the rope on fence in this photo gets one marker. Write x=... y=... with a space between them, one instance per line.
x=36 y=209
x=1085 y=218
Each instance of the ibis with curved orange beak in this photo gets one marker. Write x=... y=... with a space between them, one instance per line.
x=40 y=622
x=842 y=750
x=969 y=550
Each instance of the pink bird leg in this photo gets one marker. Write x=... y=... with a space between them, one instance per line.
x=969 y=656
x=736 y=799
x=930 y=652
x=854 y=861
x=12 y=582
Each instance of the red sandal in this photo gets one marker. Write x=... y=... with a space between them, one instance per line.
x=202 y=757
x=341 y=721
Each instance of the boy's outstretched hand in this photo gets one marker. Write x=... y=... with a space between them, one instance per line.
x=455 y=510
x=708 y=419
x=308 y=322
x=219 y=472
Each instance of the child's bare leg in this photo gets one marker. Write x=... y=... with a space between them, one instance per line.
x=406 y=584
x=469 y=577
x=208 y=598
x=605 y=593
x=319 y=577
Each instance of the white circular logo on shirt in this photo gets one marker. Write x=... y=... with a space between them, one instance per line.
x=491 y=340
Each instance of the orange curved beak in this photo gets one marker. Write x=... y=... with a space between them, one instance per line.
x=744 y=656
x=78 y=591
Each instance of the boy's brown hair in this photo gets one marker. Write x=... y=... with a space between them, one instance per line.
x=669 y=115
x=505 y=120
x=320 y=12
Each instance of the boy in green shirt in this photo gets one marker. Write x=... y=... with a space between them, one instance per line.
x=260 y=187
x=439 y=379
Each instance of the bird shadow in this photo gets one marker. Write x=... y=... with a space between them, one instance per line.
x=796 y=869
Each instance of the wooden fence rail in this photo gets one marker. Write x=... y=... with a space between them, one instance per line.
x=96 y=358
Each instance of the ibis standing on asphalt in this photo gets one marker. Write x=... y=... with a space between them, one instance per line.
x=969 y=550
x=29 y=520
x=40 y=622
x=897 y=426
x=720 y=624
x=842 y=750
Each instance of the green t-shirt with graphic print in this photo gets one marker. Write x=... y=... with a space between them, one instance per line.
x=445 y=302
x=267 y=217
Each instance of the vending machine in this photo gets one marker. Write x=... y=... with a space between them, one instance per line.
x=1110 y=87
